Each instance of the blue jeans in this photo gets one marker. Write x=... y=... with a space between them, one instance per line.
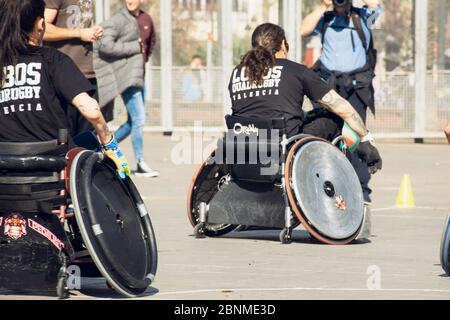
x=134 y=102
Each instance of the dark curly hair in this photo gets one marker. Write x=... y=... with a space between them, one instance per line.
x=266 y=41
x=17 y=21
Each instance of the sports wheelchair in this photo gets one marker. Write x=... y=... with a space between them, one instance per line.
x=307 y=181
x=61 y=208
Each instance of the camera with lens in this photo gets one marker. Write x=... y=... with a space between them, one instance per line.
x=341 y=3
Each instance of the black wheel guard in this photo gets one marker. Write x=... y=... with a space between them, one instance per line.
x=114 y=224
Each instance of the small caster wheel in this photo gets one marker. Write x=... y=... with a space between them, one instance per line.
x=61 y=288
x=286 y=236
x=199 y=231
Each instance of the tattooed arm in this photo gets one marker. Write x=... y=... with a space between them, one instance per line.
x=366 y=150
x=90 y=109
x=338 y=105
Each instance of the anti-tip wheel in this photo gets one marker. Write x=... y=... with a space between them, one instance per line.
x=286 y=236
x=61 y=288
x=199 y=231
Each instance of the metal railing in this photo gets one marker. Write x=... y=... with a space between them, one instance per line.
x=197 y=97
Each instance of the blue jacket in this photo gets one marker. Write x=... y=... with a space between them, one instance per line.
x=339 y=53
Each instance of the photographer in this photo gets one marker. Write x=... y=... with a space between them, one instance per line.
x=348 y=58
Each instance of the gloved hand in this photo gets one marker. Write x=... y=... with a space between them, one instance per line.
x=369 y=153
x=112 y=151
x=350 y=139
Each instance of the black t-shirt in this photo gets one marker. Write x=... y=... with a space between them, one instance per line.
x=36 y=93
x=280 y=95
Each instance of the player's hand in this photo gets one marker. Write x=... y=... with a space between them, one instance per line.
x=112 y=151
x=370 y=154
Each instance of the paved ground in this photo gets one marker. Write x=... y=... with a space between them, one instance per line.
x=254 y=265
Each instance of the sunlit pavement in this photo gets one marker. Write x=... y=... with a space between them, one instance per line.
x=401 y=262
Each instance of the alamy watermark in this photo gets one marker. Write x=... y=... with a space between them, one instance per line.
x=243 y=144
x=374 y=279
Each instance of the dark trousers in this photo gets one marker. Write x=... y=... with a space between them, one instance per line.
x=360 y=166
x=343 y=83
x=327 y=126
x=330 y=126
x=78 y=124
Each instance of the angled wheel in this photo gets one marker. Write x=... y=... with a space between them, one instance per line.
x=114 y=224
x=324 y=191
x=445 y=247
x=205 y=184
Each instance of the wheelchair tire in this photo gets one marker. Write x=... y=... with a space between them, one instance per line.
x=445 y=247
x=114 y=224
x=307 y=224
x=204 y=185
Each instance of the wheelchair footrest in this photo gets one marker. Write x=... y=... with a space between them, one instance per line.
x=248 y=204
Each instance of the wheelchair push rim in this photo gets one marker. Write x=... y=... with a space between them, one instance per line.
x=117 y=232
x=204 y=186
x=312 y=220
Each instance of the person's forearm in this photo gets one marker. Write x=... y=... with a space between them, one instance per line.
x=341 y=107
x=90 y=110
x=372 y=4
x=96 y=119
x=310 y=21
x=54 y=33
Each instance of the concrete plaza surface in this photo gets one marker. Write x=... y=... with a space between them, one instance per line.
x=401 y=262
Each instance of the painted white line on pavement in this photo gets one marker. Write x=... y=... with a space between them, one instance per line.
x=403 y=209
x=299 y=289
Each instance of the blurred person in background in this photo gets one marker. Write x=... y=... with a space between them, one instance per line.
x=348 y=60
x=70 y=29
x=193 y=80
x=119 y=60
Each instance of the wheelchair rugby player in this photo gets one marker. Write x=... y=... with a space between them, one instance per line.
x=275 y=169
x=61 y=204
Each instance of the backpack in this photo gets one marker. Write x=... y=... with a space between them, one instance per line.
x=371 y=52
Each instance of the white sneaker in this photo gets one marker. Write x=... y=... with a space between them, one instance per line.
x=144 y=170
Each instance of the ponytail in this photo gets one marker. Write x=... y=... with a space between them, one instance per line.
x=257 y=62
x=18 y=18
x=266 y=42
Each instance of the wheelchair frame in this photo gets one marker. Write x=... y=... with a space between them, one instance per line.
x=201 y=224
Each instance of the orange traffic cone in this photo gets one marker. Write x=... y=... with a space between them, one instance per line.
x=405 y=197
